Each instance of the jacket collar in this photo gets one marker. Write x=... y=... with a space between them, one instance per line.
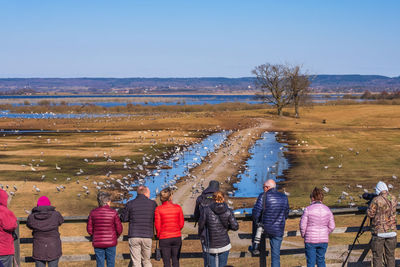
x=167 y=203
x=141 y=196
x=272 y=190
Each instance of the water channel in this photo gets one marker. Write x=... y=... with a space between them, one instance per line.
x=181 y=163
x=267 y=161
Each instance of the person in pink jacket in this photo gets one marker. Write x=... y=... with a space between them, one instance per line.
x=316 y=224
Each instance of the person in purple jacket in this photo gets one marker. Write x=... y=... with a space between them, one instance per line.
x=316 y=224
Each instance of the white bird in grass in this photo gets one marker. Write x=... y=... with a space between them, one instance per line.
x=57 y=168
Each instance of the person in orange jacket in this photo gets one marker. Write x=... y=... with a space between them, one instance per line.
x=168 y=222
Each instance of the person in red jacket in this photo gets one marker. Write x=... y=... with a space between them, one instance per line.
x=105 y=227
x=169 y=221
x=8 y=223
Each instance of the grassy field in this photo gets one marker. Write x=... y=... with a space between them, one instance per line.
x=357 y=146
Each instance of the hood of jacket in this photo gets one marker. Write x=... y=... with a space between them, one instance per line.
x=3 y=198
x=212 y=187
x=219 y=208
x=43 y=212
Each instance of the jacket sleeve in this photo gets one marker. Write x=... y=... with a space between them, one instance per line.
x=257 y=209
x=157 y=222
x=202 y=222
x=9 y=221
x=29 y=222
x=125 y=214
x=287 y=208
x=196 y=212
x=303 y=223
x=89 y=226
x=331 y=225
x=371 y=212
x=118 y=224
x=60 y=219
x=181 y=218
x=233 y=224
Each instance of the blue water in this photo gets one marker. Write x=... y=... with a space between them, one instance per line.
x=267 y=161
x=181 y=163
x=158 y=100
x=50 y=115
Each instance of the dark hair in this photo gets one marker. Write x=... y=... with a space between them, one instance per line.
x=219 y=197
x=317 y=194
x=165 y=194
x=103 y=198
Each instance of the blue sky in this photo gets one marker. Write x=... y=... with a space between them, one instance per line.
x=68 y=38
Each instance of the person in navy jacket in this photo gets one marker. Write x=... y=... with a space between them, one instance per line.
x=272 y=214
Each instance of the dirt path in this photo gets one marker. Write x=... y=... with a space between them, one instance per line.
x=221 y=164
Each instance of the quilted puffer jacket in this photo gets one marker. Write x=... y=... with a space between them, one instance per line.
x=217 y=219
x=275 y=214
x=105 y=227
x=316 y=223
x=8 y=223
x=168 y=220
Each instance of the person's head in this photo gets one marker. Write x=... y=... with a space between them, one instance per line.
x=214 y=185
x=166 y=194
x=43 y=201
x=381 y=187
x=103 y=198
x=143 y=190
x=219 y=197
x=269 y=184
x=317 y=195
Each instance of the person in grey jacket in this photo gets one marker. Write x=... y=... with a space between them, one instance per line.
x=44 y=222
x=214 y=223
x=140 y=215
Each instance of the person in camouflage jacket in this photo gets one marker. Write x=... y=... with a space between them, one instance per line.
x=382 y=212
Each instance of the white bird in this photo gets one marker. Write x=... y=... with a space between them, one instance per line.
x=57 y=168
x=326 y=189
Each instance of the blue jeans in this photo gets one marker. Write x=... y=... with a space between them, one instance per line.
x=105 y=253
x=315 y=254
x=219 y=260
x=275 y=243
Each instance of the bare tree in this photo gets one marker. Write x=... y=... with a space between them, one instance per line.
x=299 y=85
x=273 y=83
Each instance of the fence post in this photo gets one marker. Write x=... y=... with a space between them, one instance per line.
x=263 y=252
x=17 y=247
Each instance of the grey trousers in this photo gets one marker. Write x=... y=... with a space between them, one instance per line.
x=140 y=249
x=53 y=263
x=7 y=260
x=378 y=246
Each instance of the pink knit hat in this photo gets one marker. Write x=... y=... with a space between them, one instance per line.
x=43 y=201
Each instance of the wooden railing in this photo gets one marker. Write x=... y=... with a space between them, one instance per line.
x=189 y=218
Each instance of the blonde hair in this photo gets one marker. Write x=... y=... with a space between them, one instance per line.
x=219 y=197
x=165 y=194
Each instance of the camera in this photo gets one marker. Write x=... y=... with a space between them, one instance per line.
x=256 y=242
x=369 y=197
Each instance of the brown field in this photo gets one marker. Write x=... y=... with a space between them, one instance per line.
x=363 y=139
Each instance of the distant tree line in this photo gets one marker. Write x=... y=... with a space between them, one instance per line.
x=382 y=95
x=282 y=85
x=18 y=92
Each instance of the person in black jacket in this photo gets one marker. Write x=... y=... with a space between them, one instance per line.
x=140 y=215
x=272 y=210
x=214 y=223
x=44 y=222
x=202 y=201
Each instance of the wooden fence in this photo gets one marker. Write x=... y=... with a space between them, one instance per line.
x=189 y=218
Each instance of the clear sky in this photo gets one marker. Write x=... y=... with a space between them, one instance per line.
x=167 y=38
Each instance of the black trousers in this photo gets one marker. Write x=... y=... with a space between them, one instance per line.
x=170 y=251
